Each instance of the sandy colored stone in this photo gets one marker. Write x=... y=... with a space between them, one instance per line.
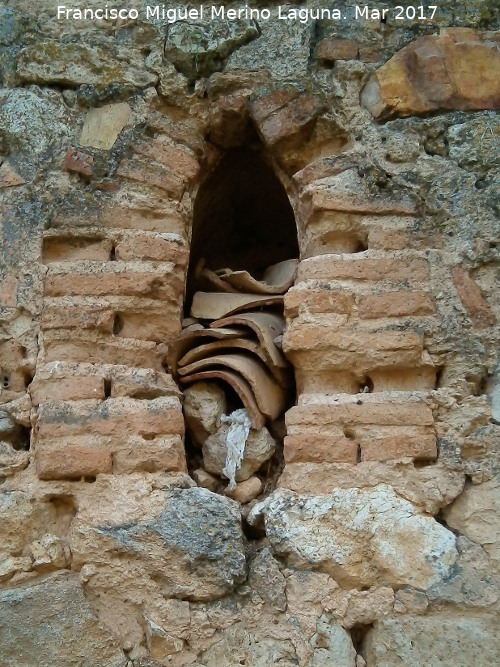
x=318 y=448
x=205 y=479
x=103 y=125
x=429 y=487
x=470 y=295
x=395 y=304
x=175 y=156
x=457 y=69
x=9 y=178
x=49 y=622
x=259 y=448
x=11 y=460
x=348 y=267
x=354 y=536
x=246 y=491
x=444 y=639
x=204 y=404
x=266 y=578
x=475 y=513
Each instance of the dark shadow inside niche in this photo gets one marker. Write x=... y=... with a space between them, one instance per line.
x=242 y=219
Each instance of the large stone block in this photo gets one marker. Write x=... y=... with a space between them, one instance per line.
x=437 y=639
x=49 y=623
x=359 y=537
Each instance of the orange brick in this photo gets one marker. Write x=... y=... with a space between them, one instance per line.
x=421 y=447
x=312 y=419
x=294 y=120
x=177 y=158
x=395 y=304
x=66 y=389
x=331 y=267
x=470 y=295
x=115 y=417
x=112 y=351
x=158 y=455
x=153 y=285
x=317 y=301
x=65 y=249
x=330 y=50
x=395 y=240
x=318 y=449
x=77 y=318
x=63 y=462
x=269 y=103
x=152 y=248
x=188 y=131
x=157 y=175
x=161 y=328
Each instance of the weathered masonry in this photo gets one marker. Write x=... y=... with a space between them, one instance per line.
x=298 y=219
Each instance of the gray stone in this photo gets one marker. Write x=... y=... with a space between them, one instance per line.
x=31 y=120
x=437 y=639
x=265 y=577
x=204 y=404
x=333 y=646
x=194 y=545
x=52 y=62
x=259 y=448
x=7 y=424
x=238 y=646
x=51 y=623
x=358 y=537
x=198 y=50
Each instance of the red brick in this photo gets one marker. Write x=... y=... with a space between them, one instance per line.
x=295 y=120
x=153 y=174
x=470 y=295
x=318 y=449
x=395 y=304
x=177 y=158
x=63 y=462
x=106 y=282
x=421 y=447
x=319 y=419
x=78 y=162
x=262 y=107
x=153 y=248
x=64 y=249
x=317 y=301
x=113 y=351
x=114 y=417
x=331 y=267
x=332 y=49
x=66 y=389
x=158 y=455
x=77 y=318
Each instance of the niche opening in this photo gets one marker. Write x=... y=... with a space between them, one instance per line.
x=228 y=360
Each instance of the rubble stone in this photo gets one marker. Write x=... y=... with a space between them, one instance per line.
x=259 y=448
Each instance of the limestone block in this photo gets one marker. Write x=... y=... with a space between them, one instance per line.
x=359 y=537
x=205 y=479
x=259 y=448
x=457 y=69
x=11 y=460
x=103 y=125
x=50 y=622
x=475 y=514
x=72 y=64
x=333 y=646
x=246 y=491
x=49 y=552
x=204 y=404
x=189 y=540
x=265 y=577
x=239 y=646
x=428 y=487
x=436 y=639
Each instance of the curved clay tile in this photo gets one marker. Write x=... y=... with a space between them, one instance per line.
x=277 y=278
x=240 y=386
x=269 y=396
x=191 y=339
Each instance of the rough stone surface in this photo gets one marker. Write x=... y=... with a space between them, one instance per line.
x=439 y=639
x=204 y=404
x=366 y=537
x=259 y=448
x=50 y=622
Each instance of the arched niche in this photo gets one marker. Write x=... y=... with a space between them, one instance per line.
x=242 y=218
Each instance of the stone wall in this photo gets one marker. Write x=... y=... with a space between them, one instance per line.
x=378 y=544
